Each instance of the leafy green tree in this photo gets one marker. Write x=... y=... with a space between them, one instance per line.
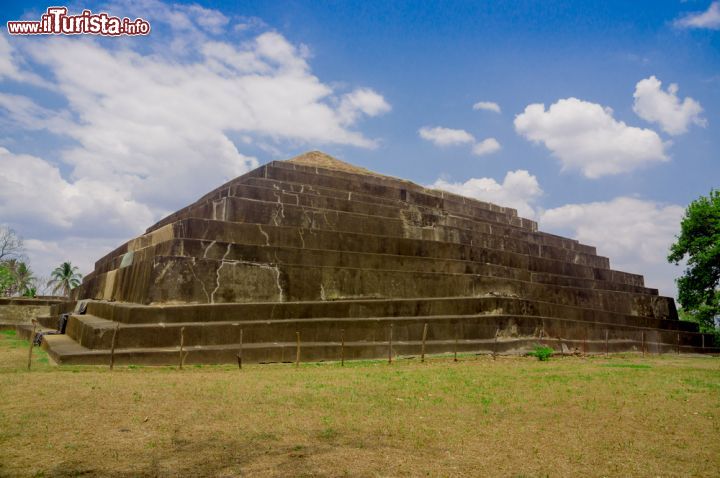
x=699 y=242
x=6 y=279
x=65 y=278
x=24 y=278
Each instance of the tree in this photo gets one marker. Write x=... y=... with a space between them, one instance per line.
x=65 y=278
x=6 y=279
x=699 y=241
x=11 y=245
x=24 y=279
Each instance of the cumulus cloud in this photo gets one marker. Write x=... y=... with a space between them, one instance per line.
x=665 y=108
x=585 y=136
x=635 y=233
x=440 y=136
x=487 y=106
x=710 y=18
x=361 y=101
x=34 y=194
x=147 y=128
x=486 y=146
x=519 y=190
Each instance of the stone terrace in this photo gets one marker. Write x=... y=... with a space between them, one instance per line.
x=341 y=254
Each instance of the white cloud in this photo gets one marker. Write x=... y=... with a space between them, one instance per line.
x=486 y=146
x=81 y=251
x=710 y=18
x=147 y=128
x=636 y=234
x=487 y=106
x=361 y=101
x=519 y=190
x=38 y=202
x=440 y=136
x=664 y=107
x=584 y=136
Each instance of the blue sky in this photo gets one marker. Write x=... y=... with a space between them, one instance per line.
x=581 y=128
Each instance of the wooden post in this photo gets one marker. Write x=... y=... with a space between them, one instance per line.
x=678 y=343
x=607 y=345
x=297 y=351
x=181 y=359
x=585 y=349
x=112 y=346
x=643 y=343
x=342 y=347
x=32 y=340
x=424 y=336
x=390 y=345
x=456 y=343
x=703 y=340
x=240 y=351
x=497 y=330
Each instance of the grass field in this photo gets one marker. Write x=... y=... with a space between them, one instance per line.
x=617 y=416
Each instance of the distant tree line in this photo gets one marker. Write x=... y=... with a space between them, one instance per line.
x=16 y=277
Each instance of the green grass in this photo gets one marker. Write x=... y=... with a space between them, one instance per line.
x=623 y=415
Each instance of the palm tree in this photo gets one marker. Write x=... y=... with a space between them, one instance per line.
x=65 y=277
x=23 y=278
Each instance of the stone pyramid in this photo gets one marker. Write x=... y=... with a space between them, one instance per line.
x=343 y=255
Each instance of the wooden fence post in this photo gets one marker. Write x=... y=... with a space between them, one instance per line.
x=643 y=343
x=390 y=344
x=112 y=345
x=607 y=345
x=678 y=343
x=342 y=347
x=32 y=344
x=703 y=340
x=494 y=355
x=181 y=359
x=456 y=344
x=240 y=351
x=297 y=351
x=424 y=336
x=585 y=347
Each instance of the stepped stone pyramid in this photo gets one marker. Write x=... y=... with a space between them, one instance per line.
x=343 y=255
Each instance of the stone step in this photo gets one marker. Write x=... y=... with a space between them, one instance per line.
x=542 y=238
x=422 y=217
x=387 y=190
x=490 y=263
x=442 y=198
x=380 y=186
x=345 y=204
x=97 y=333
x=519 y=338
x=139 y=314
x=361 y=242
x=199 y=280
x=439 y=228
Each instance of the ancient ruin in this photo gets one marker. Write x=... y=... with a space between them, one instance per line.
x=361 y=265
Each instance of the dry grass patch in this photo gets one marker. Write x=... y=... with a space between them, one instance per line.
x=622 y=416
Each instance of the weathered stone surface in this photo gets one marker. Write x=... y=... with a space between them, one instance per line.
x=335 y=252
x=20 y=310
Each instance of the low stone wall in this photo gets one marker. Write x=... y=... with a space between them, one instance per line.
x=17 y=310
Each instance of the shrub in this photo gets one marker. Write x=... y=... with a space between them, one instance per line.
x=542 y=352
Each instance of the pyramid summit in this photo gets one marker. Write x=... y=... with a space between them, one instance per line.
x=355 y=264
